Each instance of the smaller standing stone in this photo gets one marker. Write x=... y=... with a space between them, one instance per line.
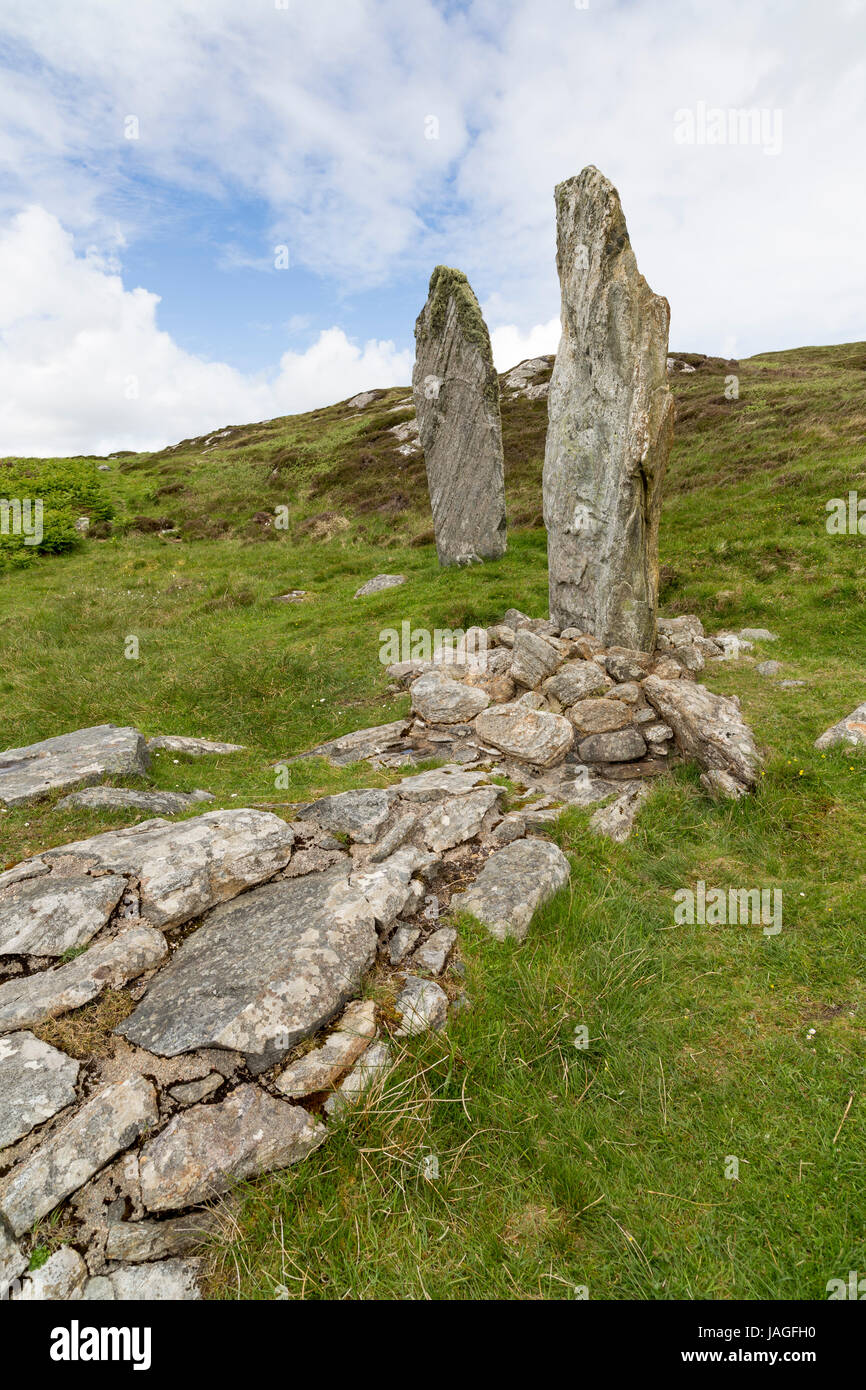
x=456 y=392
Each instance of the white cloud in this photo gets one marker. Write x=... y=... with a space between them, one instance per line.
x=85 y=368
x=510 y=345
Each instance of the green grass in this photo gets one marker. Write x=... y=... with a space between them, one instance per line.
x=558 y=1167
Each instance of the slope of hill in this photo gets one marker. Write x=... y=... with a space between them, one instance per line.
x=559 y=1168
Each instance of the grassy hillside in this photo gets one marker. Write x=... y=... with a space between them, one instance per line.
x=559 y=1168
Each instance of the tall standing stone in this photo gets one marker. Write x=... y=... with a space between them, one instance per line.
x=611 y=424
x=456 y=393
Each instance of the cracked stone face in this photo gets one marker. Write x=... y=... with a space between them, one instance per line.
x=708 y=727
x=70 y=760
x=513 y=883
x=203 y=1151
x=262 y=972
x=187 y=868
x=45 y=916
x=361 y=814
x=35 y=1082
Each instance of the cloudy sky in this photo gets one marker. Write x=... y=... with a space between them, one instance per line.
x=217 y=211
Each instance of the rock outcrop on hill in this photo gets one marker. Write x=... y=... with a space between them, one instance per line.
x=611 y=424
x=456 y=392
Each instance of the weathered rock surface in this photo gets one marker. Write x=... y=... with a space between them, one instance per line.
x=318 y=1070
x=851 y=729
x=441 y=701
x=27 y=1002
x=193 y=747
x=380 y=582
x=620 y=746
x=456 y=393
x=203 y=1151
x=372 y=1066
x=138 y=1241
x=35 y=1082
x=191 y=1092
x=60 y=1279
x=70 y=760
x=533 y=736
x=576 y=680
x=617 y=820
x=437 y=782
x=599 y=716
x=435 y=951
x=611 y=424
x=513 y=883
x=174 y=1281
x=185 y=868
x=457 y=819
x=47 y=916
x=708 y=728
x=124 y=798
x=13 y=1261
x=361 y=814
x=534 y=658
x=423 y=1005
x=361 y=744
x=261 y=973
x=108 y=1123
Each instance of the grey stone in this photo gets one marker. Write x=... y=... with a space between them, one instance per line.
x=423 y=1006
x=511 y=827
x=577 y=680
x=851 y=729
x=396 y=836
x=138 y=1241
x=380 y=582
x=108 y=1123
x=70 y=760
x=458 y=819
x=456 y=393
x=191 y=1092
x=441 y=701
x=707 y=727
x=620 y=746
x=599 y=716
x=722 y=786
x=175 y=1281
x=757 y=634
x=515 y=619
x=617 y=820
x=682 y=631
x=359 y=814
x=319 y=1069
x=202 y=1152
x=60 y=1279
x=372 y=1066
x=769 y=668
x=13 y=1262
x=402 y=941
x=46 y=916
x=99 y=1289
x=534 y=659
x=359 y=745
x=610 y=424
x=187 y=867
x=437 y=782
x=388 y=888
x=27 y=1002
x=432 y=955
x=193 y=747
x=626 y=664
x=35 y=1082
x=27 y=868
x=514 y=882
x=261 y=973
x=533 y=736
x=123 y=798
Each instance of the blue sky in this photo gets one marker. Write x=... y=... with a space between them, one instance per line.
x=373 y=139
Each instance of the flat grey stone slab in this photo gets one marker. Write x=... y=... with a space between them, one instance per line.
x=174 y=1281
x=423 y=1005
x=450 y=780
x=60 y=1280
x=138 y=1241
x=193 y=747
x=261 y=973
x=184 y=868
x=851 y=729
x=513 y=883
x=202 y=1152
x=458 y=818
x=45 y=916
x=380 y=582
x=27 y=1002
x=318 y=1070
x=360 y=745
x=35 y=1082
x=123 y=798
x=70 y=760
x=360 y=814
x=109 y=1122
